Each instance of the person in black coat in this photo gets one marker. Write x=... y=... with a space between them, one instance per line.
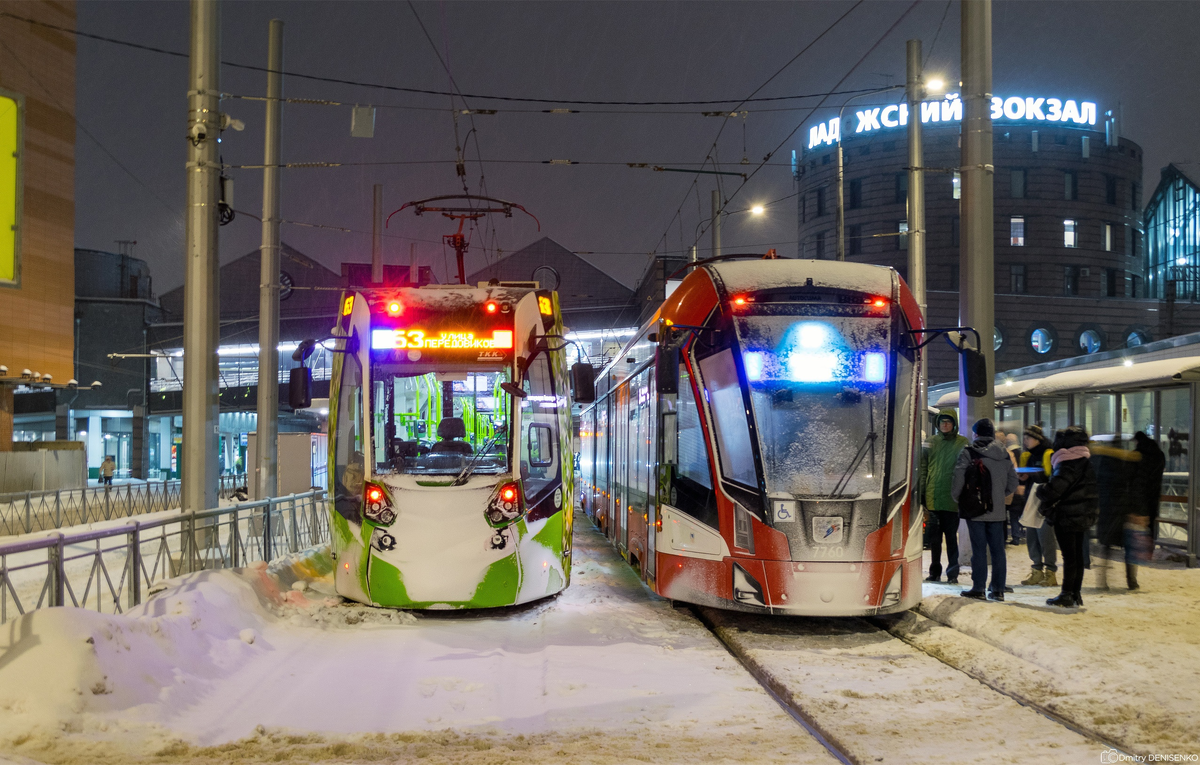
x=1118 y=473
x=1070 y=503
x=1142 y=524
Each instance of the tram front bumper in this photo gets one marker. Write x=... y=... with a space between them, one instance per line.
x=839 y=588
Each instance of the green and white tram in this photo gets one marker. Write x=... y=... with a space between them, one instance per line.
x=450 y=445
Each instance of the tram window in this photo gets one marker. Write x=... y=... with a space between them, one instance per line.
x=898 y=470
x=349 y=460
x=691 y=483
x=818 y=387
x=541 y=448
x=440 y=422
x=539 y=410
x=724 y=394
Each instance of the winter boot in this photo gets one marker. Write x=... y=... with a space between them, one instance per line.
x=1049 y=579
x=1131 y=576
x=1035 y=577
x=1063 y=600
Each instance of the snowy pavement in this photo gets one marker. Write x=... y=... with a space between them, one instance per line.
x=232 y=666
x=1126 y=665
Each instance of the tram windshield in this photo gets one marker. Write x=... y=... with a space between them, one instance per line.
x=446 y=423
x=818 y=391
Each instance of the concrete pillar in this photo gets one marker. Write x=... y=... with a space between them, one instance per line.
x=95 y=444
x=164 y=443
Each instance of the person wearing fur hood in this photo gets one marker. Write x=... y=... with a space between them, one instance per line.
x=1070 y=503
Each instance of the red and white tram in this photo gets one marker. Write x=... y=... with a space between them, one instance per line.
x=753 y=447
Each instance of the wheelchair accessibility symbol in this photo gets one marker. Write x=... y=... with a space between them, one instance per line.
x=785 y=511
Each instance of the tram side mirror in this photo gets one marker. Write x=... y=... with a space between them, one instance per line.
x=583 y=382
x=512 y=389
x=300 y=388
x=972 y=367
x=666 y=369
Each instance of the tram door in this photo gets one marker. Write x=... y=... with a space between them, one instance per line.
x=621 y=469
x=651 y=441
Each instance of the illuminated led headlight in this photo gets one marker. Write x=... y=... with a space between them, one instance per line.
x=745 y=589
x=377 y=506
x=891 y=596
x=506 y=505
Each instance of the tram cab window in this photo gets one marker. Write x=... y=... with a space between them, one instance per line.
x=439 y=423
x=349 y=463
x=724 y=394
x=691 y=489
x=900 y=467
x=818 y=388
x=539 y=420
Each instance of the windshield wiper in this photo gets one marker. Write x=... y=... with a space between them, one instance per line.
x=470 y=466
x=868 y=442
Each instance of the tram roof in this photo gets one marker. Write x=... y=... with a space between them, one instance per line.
x=750 y=275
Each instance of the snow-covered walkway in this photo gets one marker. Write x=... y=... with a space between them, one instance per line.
x=1127 y=665
x=234 y=667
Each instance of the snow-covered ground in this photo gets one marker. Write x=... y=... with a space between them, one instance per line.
x=1127 y=665
x=237 y=666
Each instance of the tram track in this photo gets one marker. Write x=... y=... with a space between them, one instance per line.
x=887 y=664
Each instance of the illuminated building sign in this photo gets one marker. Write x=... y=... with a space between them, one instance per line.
x=420 y=340
x=950 y=109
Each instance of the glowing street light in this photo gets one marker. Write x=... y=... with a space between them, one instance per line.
x=757 y=210
x=935 y=85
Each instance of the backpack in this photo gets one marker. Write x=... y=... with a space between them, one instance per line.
x=976 y=497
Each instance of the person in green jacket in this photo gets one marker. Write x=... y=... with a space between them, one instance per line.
x=937 y=471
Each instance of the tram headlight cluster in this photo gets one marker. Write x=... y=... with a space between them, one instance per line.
x=506 y=505
x=377 y=506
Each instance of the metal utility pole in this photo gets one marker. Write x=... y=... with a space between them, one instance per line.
x=841 y=199
x=976 y=289
x=716 y=223
x=201 y=297
x=267 y=438
x=915 y=94
x=377 y=235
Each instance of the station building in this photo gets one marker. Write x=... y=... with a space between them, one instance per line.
x=1071 y=270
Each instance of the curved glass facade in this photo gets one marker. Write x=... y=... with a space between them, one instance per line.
x=1173 y=238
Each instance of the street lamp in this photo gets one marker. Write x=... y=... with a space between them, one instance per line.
x=757 y=210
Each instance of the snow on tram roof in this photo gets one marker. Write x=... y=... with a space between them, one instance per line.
x=749 y=275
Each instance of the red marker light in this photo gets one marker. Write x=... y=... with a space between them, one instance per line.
x=508 y=494
x=739 y=300
x=491 y=306
x=879 y=303
x=395 y=307
x=375 y=494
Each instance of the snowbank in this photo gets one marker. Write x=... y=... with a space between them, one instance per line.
x=1127 y=665
x=258 y=665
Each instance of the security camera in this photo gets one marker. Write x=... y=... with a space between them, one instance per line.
x=198 y=132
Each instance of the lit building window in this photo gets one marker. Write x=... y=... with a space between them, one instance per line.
x=902 y=238
x=956 y=184
x=1070 y=236
x=1041 y=340
x=1090 y=341
x=1016 y=230
x=1108 y=237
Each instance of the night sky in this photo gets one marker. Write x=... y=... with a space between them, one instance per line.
x=1141 y=54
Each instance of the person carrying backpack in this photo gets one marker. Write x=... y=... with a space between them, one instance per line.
x=937 y=472
x=1071 y=503
x=984 y=483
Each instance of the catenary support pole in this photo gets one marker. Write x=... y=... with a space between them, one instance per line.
x=976 y=290
x=377 y=234
x=915 y=93
x=716 y=223
x=841 y=198
x=201 y=297
x=267 y=438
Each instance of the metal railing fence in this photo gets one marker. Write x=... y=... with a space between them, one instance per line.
x=29 y=511
x=113 y=569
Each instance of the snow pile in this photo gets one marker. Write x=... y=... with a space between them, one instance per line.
x=1127 y=665
x=265 y=664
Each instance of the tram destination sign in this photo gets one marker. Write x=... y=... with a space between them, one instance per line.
x=415 y=339
x=1064 y=111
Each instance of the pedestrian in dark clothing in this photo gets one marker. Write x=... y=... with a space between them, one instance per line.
x=1070 y=503
x=1040 y=542
x=937 y=473
x=987 y=530
x=1142 y=524
x=1117 y=481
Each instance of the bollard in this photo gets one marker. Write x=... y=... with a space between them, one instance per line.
x=134 y=557
x=295 y=537
x=267 y=529
x=55 y=562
